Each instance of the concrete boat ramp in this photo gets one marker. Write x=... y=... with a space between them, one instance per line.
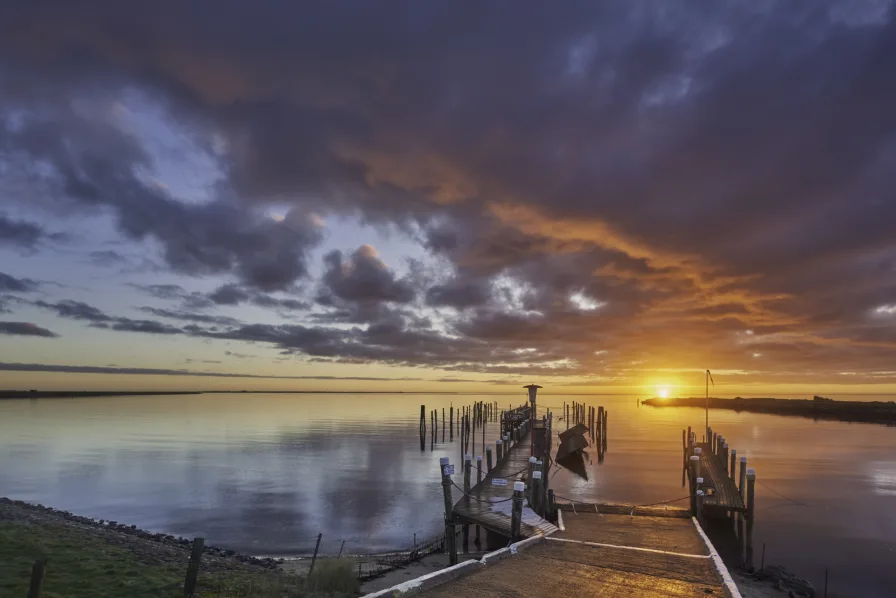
x=658 y=554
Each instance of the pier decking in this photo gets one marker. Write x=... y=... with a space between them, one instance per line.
x=489 y=505
x=598 y=555
x=714 y=470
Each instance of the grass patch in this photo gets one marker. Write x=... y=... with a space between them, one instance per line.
x=334 y=576
x=83 y=563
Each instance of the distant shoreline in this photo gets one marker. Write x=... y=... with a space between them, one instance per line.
x=871 y=412
x=80 y=394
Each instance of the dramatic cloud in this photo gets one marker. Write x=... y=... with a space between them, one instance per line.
x=25 y=329
x=364 y=277
x=80 y=369
x=22 y=234
x=11 y=284
x=598 y=190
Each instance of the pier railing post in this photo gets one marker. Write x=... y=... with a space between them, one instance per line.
x=751 y=490
x=468 y=466
x=733 y=471
x=450 y=534
x=516 y=514
x=529 y=481
x=535 y=500
x=499 y=445
x=488 y=458
x=742 y=486
x=692 y=482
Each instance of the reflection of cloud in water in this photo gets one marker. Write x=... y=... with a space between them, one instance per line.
x=882 y=476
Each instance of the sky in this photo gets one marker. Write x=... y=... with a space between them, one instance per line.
x=448 y=196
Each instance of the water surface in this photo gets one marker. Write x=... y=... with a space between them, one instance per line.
x=265 y=473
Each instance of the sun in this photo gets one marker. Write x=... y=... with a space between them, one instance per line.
x=663 y=392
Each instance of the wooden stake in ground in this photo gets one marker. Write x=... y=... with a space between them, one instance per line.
x=193 y=567
x=37 y=578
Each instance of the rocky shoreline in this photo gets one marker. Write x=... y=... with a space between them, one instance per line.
x=35 y=513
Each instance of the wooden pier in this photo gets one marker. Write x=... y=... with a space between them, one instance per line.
x=586 y=549
x=489 y=505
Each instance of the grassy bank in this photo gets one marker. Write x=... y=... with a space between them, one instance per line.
x=93 y=561
x=872 y=412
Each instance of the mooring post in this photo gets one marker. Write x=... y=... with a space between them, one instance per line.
x=193 y=567
x=733 y=468
x=529 y=480
x=542 y=484
x=488 y=457
x=535 y=499
x=37 y=578
x=450 y=534
x=552 y=505
x=700 y=496
x=742 y=486
x=516 y=514
x=698 y=452
x=692 y=482
x=478 y=481
x=468 y=466
x=451 y=421
x=751 y=489
x=498 y=449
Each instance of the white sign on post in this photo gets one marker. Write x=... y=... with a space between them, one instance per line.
x=448 y=470
x=499 y=482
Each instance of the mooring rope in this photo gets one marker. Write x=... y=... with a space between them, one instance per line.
x=653 y=504
x=490 y=502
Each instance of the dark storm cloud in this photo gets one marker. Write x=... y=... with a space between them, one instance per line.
x=697 y=171
x=22 y=234
x=190 y=316
x=25 y=329
x=75 y=310
x=231 y=294
x=11 y=284
x=83 y=369
x=458 y=294
x=95 y=165
x=363 y=277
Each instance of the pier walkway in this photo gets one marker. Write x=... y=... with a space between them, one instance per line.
x=489 y=505
x=723 y=493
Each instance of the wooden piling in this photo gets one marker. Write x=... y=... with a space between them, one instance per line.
x=733 y=471
x=516 y=514
x=529 y=478
x=476 y=541
x=37 y=578
x=499 y=445
x=743 y=477
x=193 y=567
x=488 y=457
x=468 y=466
x=692 y=482
x=536 y=499
x=451 y=422
x=751 y=492
x=450 y=534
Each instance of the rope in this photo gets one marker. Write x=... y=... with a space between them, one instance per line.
x=796 y=502
x=653 y=504
x=490 y=502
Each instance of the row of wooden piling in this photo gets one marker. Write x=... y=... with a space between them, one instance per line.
x=469 y=418
x=595 y=418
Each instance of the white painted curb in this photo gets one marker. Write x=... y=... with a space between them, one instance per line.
x=717 y=561
x=436 y=578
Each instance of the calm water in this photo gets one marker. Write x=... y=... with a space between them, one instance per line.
x=264 y=474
